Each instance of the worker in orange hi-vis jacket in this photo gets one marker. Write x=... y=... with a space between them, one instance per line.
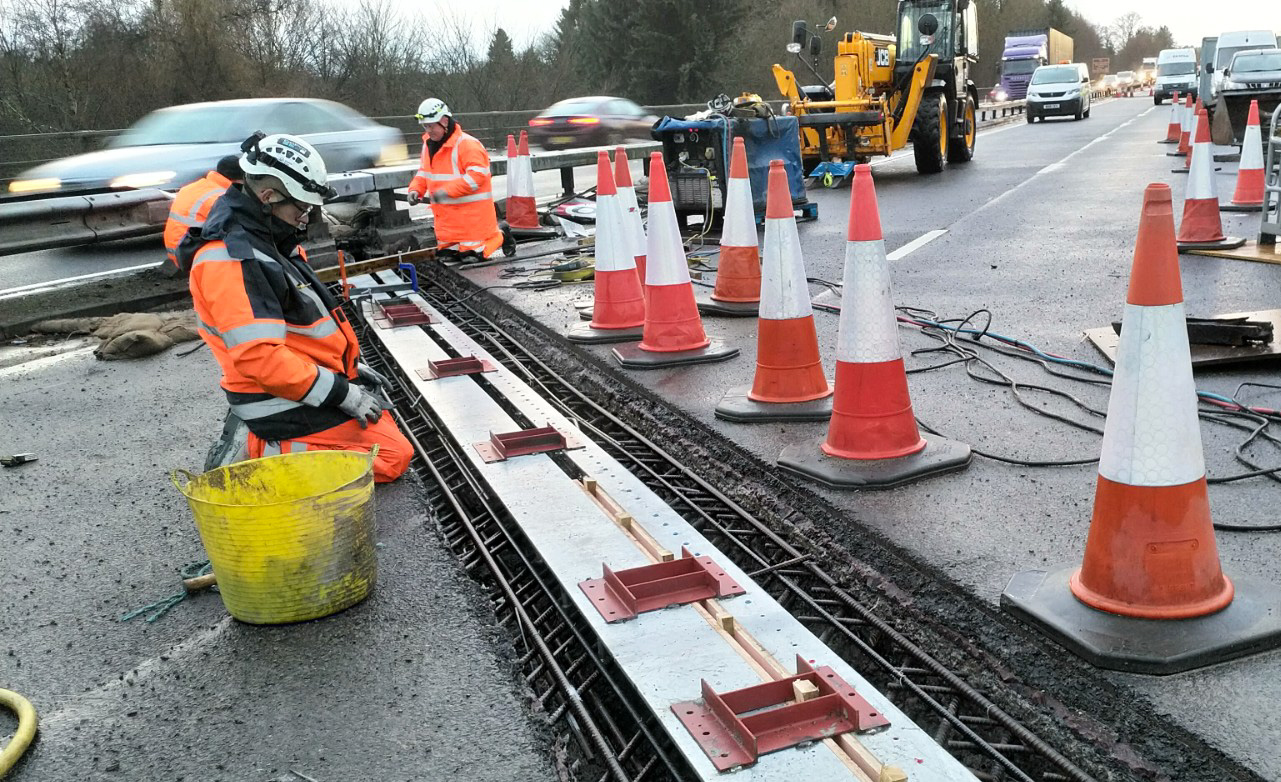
x=454 y=175
x=290 y=360
x=192 y=204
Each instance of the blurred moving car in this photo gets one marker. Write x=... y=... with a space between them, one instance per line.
x=1108 y=84
x=590 y=122
x=1126 y=82
x=169 y=148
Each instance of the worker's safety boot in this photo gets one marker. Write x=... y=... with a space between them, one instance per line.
x=232 y=445
x=509 y=241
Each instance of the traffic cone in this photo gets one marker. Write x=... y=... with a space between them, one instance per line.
x=618 y=311
x=632 y=224
x=631 y=209
x=1150 y=595
x=1201 y=228
x=1185 y=129
x=738 y=273
x=1175 y=128
x=673 y=333
x=872 y=441
x=789 y=384
x=522 y=212
x=1249 y=192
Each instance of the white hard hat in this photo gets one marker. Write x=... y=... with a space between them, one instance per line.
x=297 y=164
x=432 y=110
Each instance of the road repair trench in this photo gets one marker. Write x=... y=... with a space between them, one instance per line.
x=995 y=695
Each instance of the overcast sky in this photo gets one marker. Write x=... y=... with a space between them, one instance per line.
x=1188 y=20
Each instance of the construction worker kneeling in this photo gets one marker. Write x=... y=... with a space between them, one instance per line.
x=289 y=358
x=454 y=174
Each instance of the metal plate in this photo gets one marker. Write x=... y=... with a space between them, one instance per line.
x=1107 y=340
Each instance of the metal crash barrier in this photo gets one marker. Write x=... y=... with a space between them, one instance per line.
x=68 y=221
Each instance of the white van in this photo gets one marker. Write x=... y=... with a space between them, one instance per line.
x=1175 y=72
x=1228 y=45
x=1058 y=91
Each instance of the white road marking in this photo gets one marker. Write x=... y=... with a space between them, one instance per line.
x=915 y=244
x=6 y=293
x=1055 y=166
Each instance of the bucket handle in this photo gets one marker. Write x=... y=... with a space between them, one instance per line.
x=189 y=476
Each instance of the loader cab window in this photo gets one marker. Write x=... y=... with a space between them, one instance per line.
x=912 y=43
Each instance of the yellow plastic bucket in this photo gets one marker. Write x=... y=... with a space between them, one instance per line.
x=290 y=537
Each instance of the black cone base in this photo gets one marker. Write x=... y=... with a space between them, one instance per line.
x=584 y=334
x=735 y=406
x=1251 y=623
x=632 y=357
x=939 y=455
x=730 y=309
x=1227 y=243
x=1240 y=207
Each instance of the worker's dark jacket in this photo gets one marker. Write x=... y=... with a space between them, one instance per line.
x=286 y=350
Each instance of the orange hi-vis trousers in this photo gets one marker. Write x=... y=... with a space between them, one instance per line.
x=394 y=450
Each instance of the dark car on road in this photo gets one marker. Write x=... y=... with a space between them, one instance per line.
x=590 y=122
x=168 y=148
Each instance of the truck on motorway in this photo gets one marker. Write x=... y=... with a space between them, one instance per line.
x=1147 y=71
x=1024 y=52
x=1175 y=72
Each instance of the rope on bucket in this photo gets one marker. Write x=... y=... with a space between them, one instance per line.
x=162 y=606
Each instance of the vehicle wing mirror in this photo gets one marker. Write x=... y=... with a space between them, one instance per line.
x=831 y=24
x=928 y=24
x=799 y=34
x=816 y=46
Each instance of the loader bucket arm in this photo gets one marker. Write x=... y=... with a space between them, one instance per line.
x=922 y=75
x=786 y=81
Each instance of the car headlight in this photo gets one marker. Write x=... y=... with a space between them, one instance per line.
x=1001 y=95
x=146 y=179
x=33 y=185
x=392 y=153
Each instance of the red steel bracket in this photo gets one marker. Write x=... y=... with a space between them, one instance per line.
x=623 y=594
x=735 y=728
x=393 y=312
x=453 y=367
x=501 y=447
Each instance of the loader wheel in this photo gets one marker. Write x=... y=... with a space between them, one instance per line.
x=961 y=148
x=929 y=142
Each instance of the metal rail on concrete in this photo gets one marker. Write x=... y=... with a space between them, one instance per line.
x=74 y=220
x=973 y=728
x=664 y=654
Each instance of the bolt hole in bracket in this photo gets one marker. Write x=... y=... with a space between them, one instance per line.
x=735 y=728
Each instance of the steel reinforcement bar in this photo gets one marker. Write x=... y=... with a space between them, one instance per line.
x=992 y=743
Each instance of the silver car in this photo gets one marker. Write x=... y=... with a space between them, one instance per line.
x=169 y=148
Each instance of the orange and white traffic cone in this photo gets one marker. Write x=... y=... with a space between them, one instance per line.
x=1185 y=129
x=1248 y=196
x=1150 y=595
x=872 y=441
x=631 y=209
x=618 y=312
x=789 y=384
x=738 y=272
x=673 y=333
x=1175 y=127
x=1202 y=228
x=522 y=212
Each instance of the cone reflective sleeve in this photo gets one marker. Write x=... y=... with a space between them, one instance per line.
x=1151 y=551
x=1201 y=221
x=522 y=212
x=872 y=410
x=788 y=366
x=1175 y=127
x=672 y=322
x=738 y=275
x=632 y=223
x=1249 y=189
x=1185 y=129
x=619 y=302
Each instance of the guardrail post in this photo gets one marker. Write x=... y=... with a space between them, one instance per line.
x=567 y=181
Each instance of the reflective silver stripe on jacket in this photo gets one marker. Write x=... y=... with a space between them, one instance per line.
x=320 y=389
x=210 y=254
x=190 y=222
x=249 y=411
x=201 y=201
x=247 y=333
x=467 y=199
